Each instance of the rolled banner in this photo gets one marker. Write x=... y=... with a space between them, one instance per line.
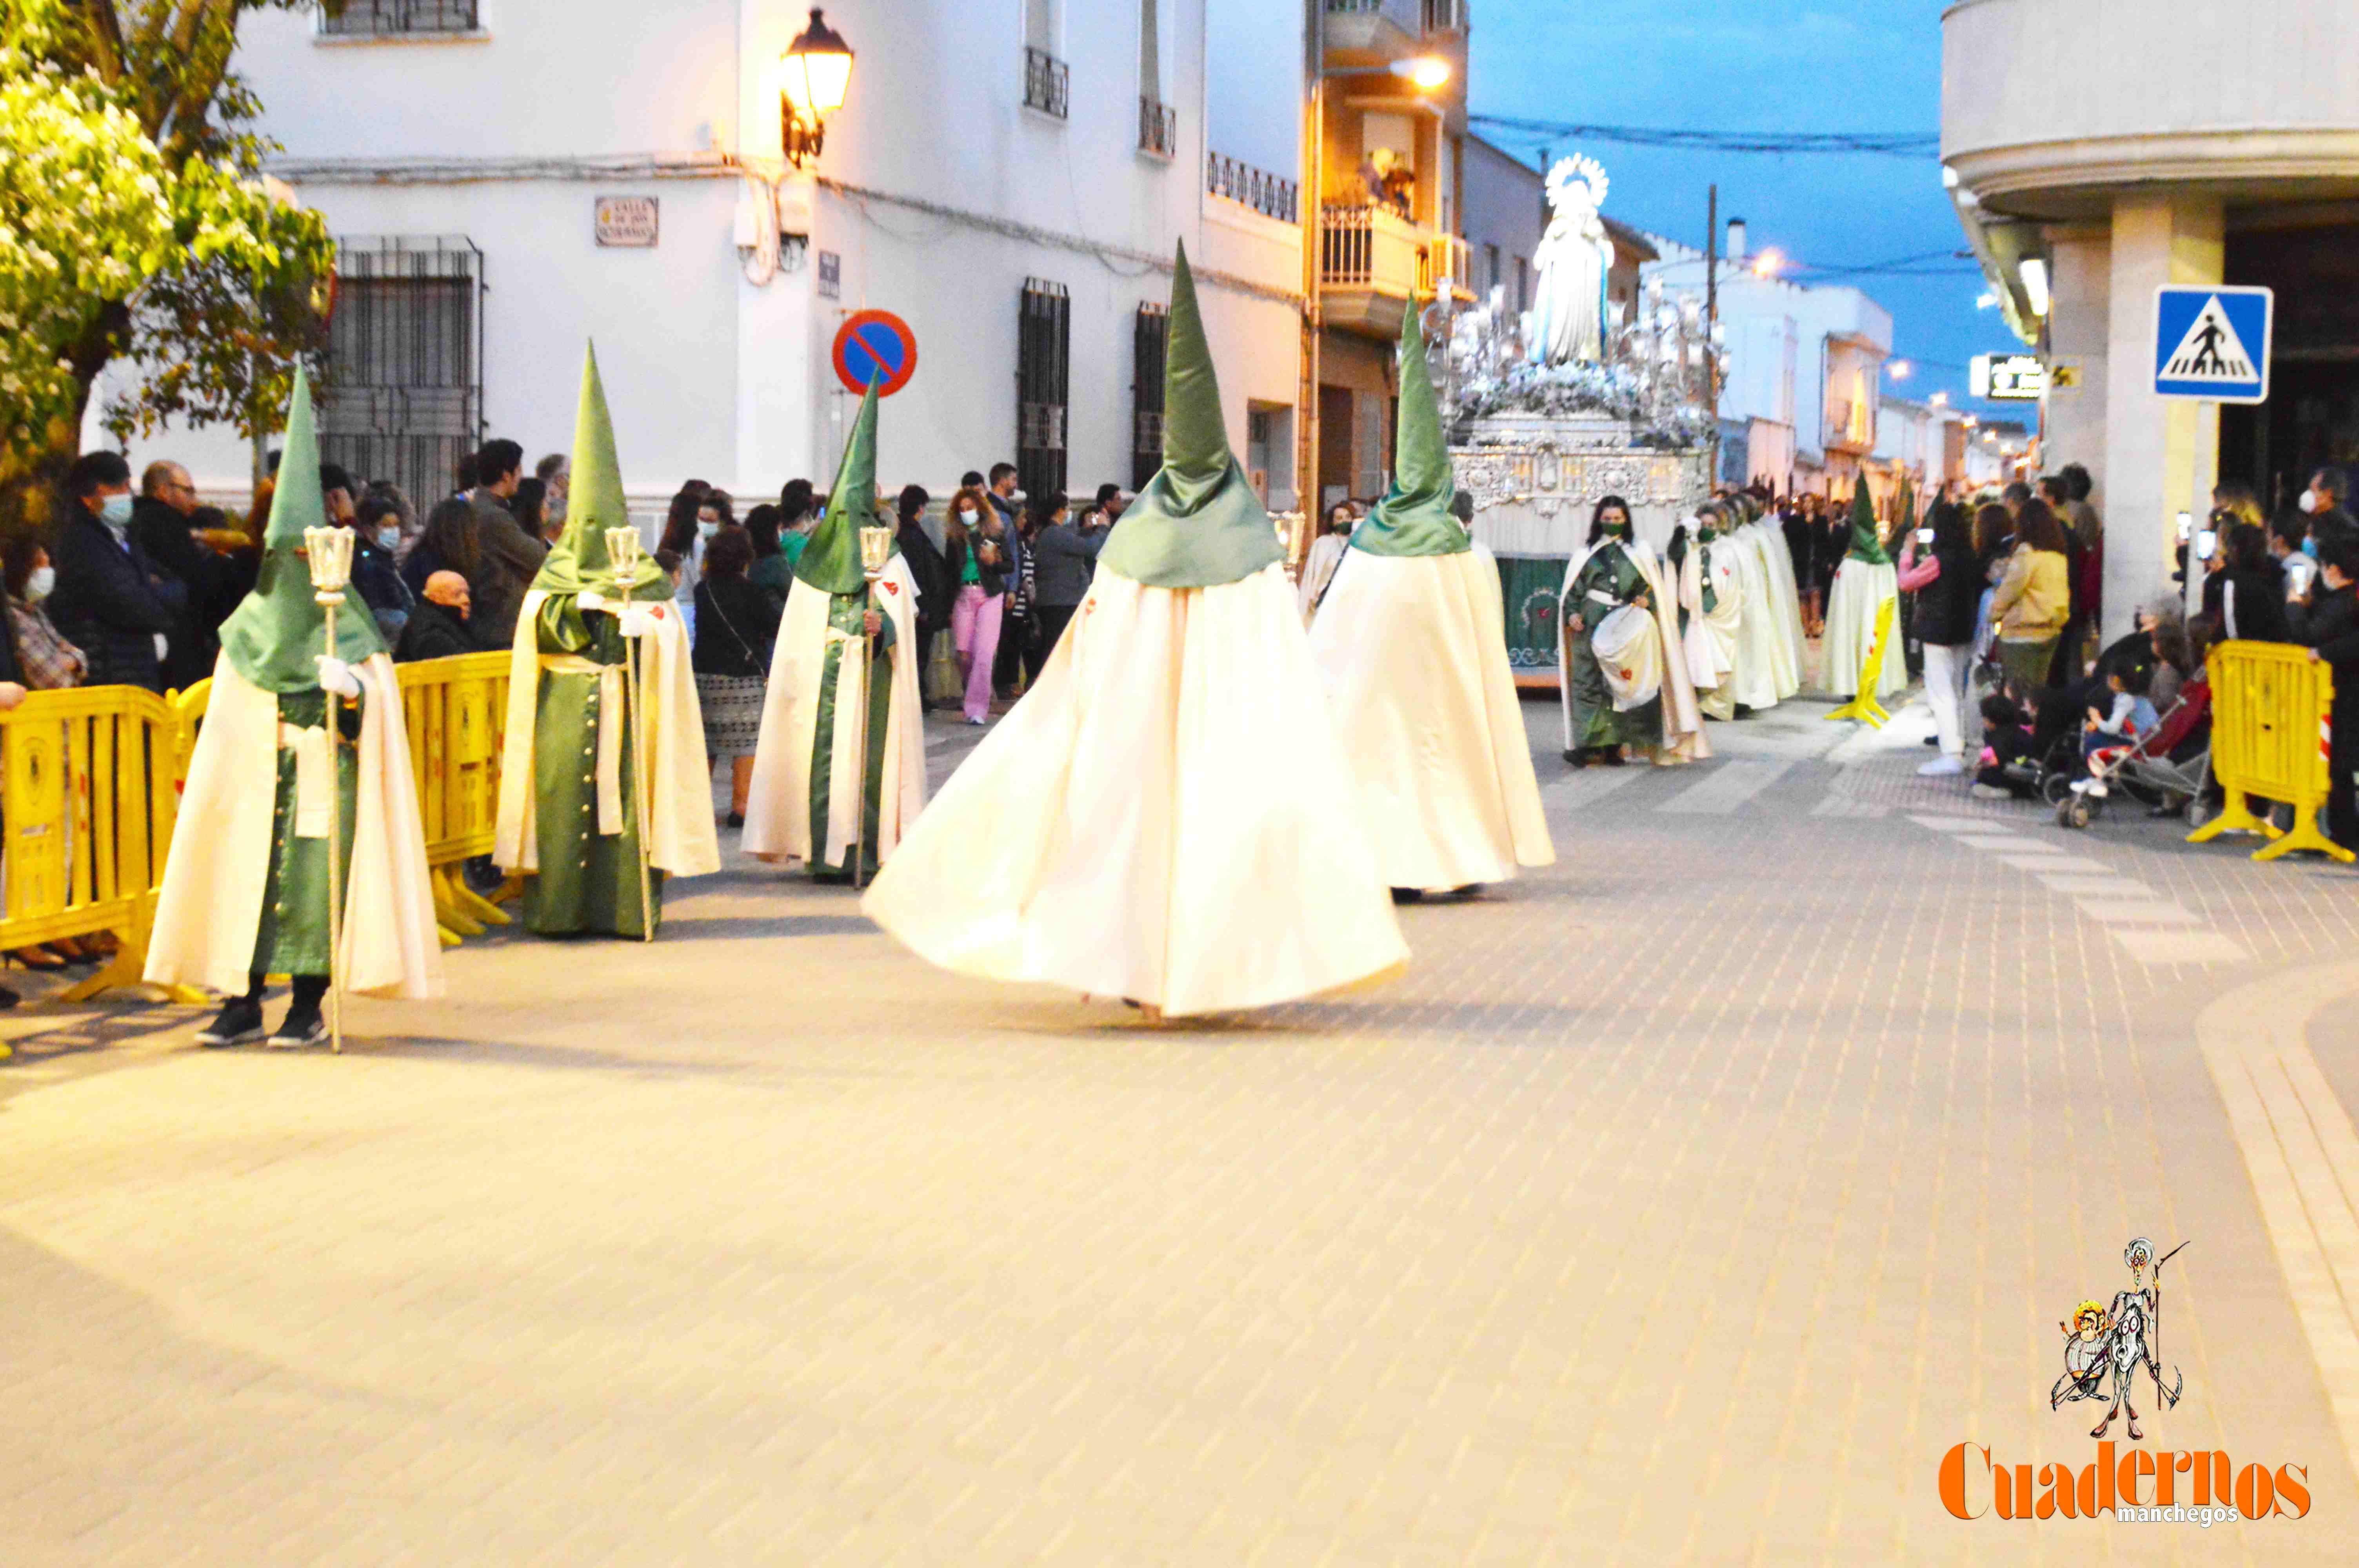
x=1629 y=649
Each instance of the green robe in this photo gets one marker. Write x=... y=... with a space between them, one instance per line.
x=588 y=882
x=291 y=937
x=844 y=614
x=1610 y=571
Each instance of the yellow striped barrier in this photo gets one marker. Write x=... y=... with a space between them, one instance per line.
x=2271 y=708
x=455 y=710
x=88 y=790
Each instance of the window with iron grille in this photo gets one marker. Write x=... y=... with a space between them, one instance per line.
x=403 y=396
x=1158 y=129
x=1148 y=335
x=1444 y=16
x=1044 y=341
x=1047 y=82
x=371 y=18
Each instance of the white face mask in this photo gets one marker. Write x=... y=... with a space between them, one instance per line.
x=388 y=537
x=708 y=526
x=966 y=515
x=37 y=586
x=2309 y=502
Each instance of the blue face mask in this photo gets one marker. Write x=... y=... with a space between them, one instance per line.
x=2309 y=545
x=388 y=537
x=116 y=512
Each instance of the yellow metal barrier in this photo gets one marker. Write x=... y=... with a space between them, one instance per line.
x=89 y=784
x=2270 y=708
x=456 y=709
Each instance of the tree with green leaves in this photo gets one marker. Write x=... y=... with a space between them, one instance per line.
x=136 y=223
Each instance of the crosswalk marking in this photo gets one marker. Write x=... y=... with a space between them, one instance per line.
x=2056 y=863
x=2148 y=927
x=2108 y=886
x=1725 y=788
x=2007 y=842
x=2181 y=947
x=2138 y=911
x=1589 y=785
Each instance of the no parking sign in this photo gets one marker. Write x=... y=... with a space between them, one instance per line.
x=875 y=346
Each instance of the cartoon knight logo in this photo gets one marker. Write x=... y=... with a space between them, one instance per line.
x=2117 y=1342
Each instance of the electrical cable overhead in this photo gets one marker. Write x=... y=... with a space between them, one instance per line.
x=1884 y=144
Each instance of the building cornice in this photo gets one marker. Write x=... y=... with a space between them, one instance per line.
x=2072 y=170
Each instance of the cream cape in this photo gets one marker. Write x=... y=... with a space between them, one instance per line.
x=679 y=836
x=1861 y=587
x=1683 y=738
x=1413 y=650
x=1166 y=816
x=779 y=808
x=210 y=905
x=1711 y=641
x=1319 y=566
x=1786 y=606
x=1754 y=683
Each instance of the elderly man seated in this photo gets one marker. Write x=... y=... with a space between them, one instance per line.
x=437 y=626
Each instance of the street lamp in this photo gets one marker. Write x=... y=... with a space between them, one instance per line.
x=1766 y=263
x=1899 y=369
x=814 y=76
x=1426 y=72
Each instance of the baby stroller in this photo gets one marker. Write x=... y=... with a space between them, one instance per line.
x=2144 y=770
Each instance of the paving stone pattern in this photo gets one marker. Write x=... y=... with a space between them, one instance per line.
x=1684 y=1204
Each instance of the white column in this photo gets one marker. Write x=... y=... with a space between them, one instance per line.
x=2159 y=459
x=2079 y=326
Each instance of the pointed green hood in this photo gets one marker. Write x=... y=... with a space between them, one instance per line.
x=578 y=561
x=1414 y=518
x=1198 y=523
x=1865 y=544
x=831 y=561
x=276 y=632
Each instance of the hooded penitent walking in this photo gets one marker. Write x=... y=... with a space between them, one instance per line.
x=604 y=789
x=1711 y=612
x=808 y=802
x=1412 y=646
x=1632 y=688
x=246 y=889
x=1864 y=581
x=1166 y=816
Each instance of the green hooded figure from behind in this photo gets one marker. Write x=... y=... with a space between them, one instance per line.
x=276 y=635
x=1866 y=541
x=1198 y=524
x=1414 y=518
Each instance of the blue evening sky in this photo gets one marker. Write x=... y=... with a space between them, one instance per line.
x=1753 y=65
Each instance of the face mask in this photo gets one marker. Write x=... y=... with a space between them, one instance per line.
x=116 y=512
x=554 y=509
x=2309 y=502
x=388 y=537
x=2309 y=545
x=707 y=527
x=966 y=517
x=37 y=586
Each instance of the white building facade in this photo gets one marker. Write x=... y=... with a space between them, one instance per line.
x=1805 y=368
x=2210 y=141
x=509 y=180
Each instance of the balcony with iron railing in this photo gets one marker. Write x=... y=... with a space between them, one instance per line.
x=1158 y=129
x=1372 y=261
x=1363 y=32
x=398 y=18
x=1271 y=195
x=1047 y=83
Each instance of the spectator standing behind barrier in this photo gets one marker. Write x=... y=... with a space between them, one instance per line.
x=111 y=602
x=44 y=661
x=736 y=632
x=375 y=578
x=2033 y=599
x=438 y=622
x=2247 y=593
x=161 y=526
x=2291 y=547
x=1948 y=591
x=1015 y=623
x=796 y=511
x=935 y=590
x=2328 y=626
x=509 y=557
x=526 y=506
x=974 y=561
x=772 y=571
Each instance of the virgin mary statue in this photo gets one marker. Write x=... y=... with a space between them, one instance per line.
x=1567 y=322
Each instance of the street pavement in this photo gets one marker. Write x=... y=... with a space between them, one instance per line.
x=1685 y=1203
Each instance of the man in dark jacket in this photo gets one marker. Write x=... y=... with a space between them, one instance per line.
x=111 y=602
x=437 y=628
x=511 y=556
x=1016 y=628
x=931 y=573
x=1066 y=559
x=160 y=526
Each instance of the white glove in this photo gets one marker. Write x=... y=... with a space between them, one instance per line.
x=335 y=675
x=639 y=620
x=590 y=599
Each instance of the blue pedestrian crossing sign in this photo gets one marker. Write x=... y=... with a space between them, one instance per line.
x=2211 y=341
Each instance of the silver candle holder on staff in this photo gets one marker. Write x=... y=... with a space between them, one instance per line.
x=625 y=551
x=328 y=552
x=876 y=551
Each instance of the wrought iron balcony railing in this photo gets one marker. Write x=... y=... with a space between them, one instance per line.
x=1158 y=129
x=1047 y=83
x=381 y=18
x=1271 y=195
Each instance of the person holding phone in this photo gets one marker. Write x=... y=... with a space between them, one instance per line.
x=1937 y=566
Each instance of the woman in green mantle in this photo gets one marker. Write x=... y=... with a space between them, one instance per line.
x=1607 y=577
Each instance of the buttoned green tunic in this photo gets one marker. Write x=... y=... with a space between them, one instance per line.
x=588 y=882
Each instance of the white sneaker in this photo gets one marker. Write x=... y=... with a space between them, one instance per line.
x=1990 y=792
x=1941 y=768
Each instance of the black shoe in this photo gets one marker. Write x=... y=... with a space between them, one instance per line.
x=303 y=1026
x=1408 y=895
x=1578 y=757
x=8 y=998
x=1932 y=739
x=1743 y=711
x=1611 y=756
x=736 y=820
x=1472 y=890
x=240 y=1023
